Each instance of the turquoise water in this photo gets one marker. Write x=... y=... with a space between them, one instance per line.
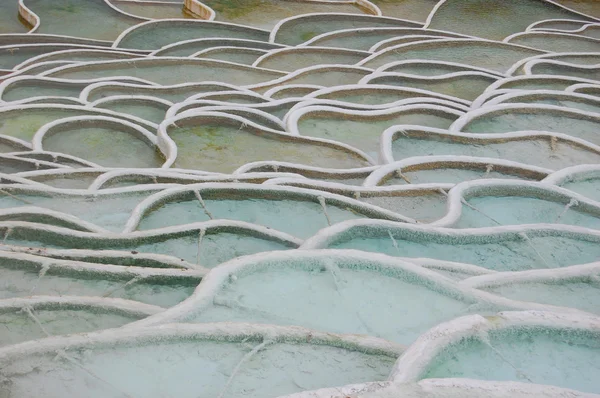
x=336 y=300
x=512 y=254
x=510 y=210
x=580 y=294
x=19 y=326
x=206 y=250
x=589 y=187
x=299 y=218
x=24 y=283
x=536 y=151
x=560 y=358
x=166 y=366
x=285 y=95
x=109 y=212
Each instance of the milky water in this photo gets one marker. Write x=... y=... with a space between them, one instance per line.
x=543 y=356
x=105 y=211
x=18 y=326
x=587 y=187
x=452 y=175
x=342 y=294
x=214 y=247
x=347 y=301
x=425 y=208
x=156 y=368
x=24 y=283
x=298 y=218
x=580 y=294
x=511 y=210
x=535 y=152
x=516 y=254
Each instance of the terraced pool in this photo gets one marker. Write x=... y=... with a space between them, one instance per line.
x=299 y=198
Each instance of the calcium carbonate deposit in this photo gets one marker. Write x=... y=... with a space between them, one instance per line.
x=299 y=198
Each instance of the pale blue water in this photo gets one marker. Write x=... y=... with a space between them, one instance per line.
x=580 y=294
x=589 y=188
x=510 y=210
x=543 y=356
x=342 y=294
x=298 y=218
x=355 y=300
x=514 y=254
x=170 y=366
